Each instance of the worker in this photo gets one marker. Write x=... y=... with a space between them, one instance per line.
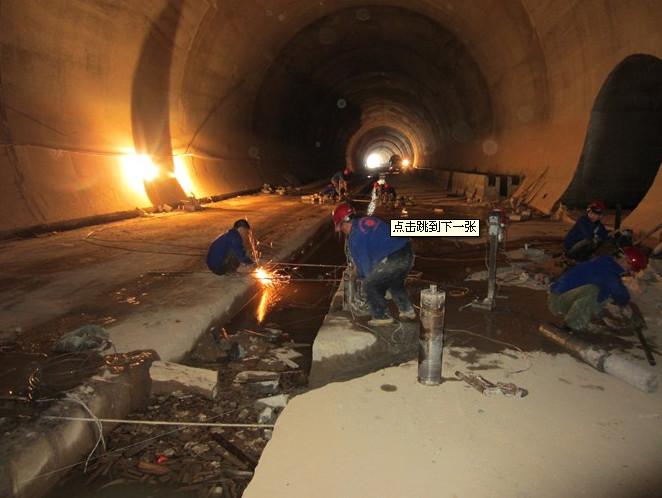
x=581 y=293
x=329 y=192
x=339 y=181
x=587 y=234
x=382 y=262
x=388 y=193
x=378 y=188
x=227 y=254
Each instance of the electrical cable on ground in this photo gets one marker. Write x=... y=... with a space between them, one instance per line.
x=496 y=341
x=161 y=422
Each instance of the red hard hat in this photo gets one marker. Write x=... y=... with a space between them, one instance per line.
x=597 y=207
x=637 y=258
x=340 y=213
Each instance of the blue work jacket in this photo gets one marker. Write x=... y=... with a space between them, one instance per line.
x=370 y=242
x=604 y=272
x=220 y=248
x=583 y=229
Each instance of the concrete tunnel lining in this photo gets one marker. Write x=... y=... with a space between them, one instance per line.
x=66 y=88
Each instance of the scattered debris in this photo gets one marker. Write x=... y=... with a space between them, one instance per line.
x=279 y=401
x=487 y=388
x=511 y=275
x=87 y=337
x=267 y=189
x=286 y=356
x=266 y=416
x=256 y=376
x=168 y=376
x=191 y=204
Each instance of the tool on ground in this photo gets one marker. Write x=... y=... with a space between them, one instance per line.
x=616 y=364
x=640 y=335
x=496 y=225
x=484 y=386
x=431 y=340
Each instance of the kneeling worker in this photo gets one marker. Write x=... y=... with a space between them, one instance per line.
x=382 y=262
x=587 y=233
x=227 y=254
x=580 y=294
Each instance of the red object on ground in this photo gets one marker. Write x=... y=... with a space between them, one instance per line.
x=637 y=258
x=161 y=459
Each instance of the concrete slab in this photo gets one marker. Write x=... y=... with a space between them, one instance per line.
x=345 y=348
x=145 y=279
x=577 y=433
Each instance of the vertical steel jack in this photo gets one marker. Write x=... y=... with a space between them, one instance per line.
x=496 y=224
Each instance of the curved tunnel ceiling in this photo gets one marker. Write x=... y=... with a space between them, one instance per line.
x=348 y=73
x=253 y=91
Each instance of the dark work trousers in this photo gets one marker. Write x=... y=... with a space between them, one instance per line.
x=389 y=274
x=230 y=264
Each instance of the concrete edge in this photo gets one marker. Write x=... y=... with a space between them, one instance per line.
x=35 y=456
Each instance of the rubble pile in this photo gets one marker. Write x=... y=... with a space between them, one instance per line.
x=257 y=373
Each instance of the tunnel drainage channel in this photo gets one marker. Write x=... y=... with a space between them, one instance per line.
x=289 y=312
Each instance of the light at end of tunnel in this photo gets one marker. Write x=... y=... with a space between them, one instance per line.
x=374 y=160
x=183 y=176
x=406 y=163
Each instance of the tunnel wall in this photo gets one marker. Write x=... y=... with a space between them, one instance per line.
x=68 y=74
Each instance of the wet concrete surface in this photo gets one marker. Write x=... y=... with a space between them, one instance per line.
x=298 y=308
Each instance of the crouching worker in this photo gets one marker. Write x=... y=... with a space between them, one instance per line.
x=587 y=234
x=382 y=262
x=581 y=293
x=227 y=254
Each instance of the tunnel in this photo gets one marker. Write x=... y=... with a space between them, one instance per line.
x=165 y=170
x=106 y=107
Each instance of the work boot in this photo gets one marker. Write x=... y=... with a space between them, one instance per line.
x=380 y=322
x=408 y=315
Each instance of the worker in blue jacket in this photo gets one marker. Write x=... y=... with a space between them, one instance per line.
x=580 y=294
x=226 y=253
x=382 y=262
x=587 y=234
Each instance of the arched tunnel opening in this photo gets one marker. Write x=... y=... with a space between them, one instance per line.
x=358 y=79
x=173 y=183
x=623 y=147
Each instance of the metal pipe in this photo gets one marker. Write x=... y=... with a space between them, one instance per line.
x=431 y=340
x=616 y=364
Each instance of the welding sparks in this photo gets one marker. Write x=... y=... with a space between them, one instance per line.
x=266 y=278
x=270 y=281
x=264 y=305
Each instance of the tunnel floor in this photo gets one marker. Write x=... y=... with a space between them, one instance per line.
x=491 y=344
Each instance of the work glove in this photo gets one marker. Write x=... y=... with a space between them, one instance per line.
x=244 y=268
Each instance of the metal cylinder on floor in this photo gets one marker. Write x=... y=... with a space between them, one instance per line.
x=431 y=340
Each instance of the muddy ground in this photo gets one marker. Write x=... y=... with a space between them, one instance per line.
x=201 y=461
